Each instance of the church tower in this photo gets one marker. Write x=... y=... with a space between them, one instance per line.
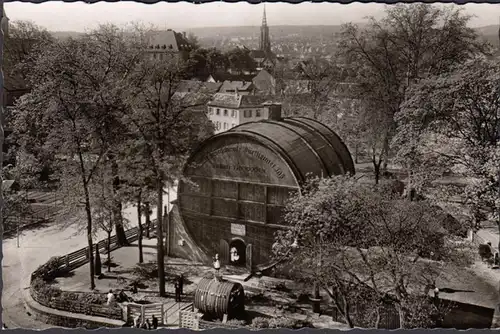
x=265 y=42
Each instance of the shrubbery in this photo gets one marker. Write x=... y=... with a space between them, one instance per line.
x=146 y=270
x=281 y=322
x=50 y=270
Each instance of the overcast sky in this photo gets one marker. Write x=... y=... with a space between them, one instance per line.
x=59 y=16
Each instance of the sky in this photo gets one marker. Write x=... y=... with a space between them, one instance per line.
x=79 y=16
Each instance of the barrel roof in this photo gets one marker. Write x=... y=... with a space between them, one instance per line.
x=309 y=147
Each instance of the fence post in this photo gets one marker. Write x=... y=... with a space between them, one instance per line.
x=143 y=315
x=67 y=260
x=162 y=315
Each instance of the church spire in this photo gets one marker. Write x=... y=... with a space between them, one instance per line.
x=265 y=42
x=264 y=19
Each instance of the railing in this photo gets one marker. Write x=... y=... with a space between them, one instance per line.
x=76 y=259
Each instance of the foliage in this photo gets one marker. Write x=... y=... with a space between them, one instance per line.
x=25 y=40
x=146 y=270
x=240 y=60
x=410 y=43
x=366 y=247
x=52 y=269
x=44 y=291
x=260 y=322
x=459 y=112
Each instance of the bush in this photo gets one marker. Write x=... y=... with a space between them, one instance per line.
x=146 y=270
x=283 y=322
x=50 y=270
x=485 y=251
x=44 y=292
x=260 y=322
x=236 y=322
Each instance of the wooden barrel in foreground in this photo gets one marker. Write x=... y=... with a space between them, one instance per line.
x=217 y=297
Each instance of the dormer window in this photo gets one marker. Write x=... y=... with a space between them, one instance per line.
x=170 y=47
x=163 y=46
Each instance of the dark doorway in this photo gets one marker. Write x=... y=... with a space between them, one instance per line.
x=237 y=250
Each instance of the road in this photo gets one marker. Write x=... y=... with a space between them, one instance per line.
x=37 y=246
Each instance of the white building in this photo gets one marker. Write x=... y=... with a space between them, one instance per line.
x=227 y=110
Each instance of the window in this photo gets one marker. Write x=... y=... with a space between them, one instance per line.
x=225 y=126
x=218 y=111
x=217 y=126
x=257 y=113
x=225 y=112
x=233 y=113
x=248 y=113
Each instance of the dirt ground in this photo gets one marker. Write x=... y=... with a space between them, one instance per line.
x=124 y=271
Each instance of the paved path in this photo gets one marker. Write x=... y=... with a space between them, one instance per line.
x=36 y=248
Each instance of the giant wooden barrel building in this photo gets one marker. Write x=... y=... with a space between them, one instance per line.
x=241 y=179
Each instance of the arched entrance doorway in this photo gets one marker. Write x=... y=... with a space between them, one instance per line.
x=237 y=252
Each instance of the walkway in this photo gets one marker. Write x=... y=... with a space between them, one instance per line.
x=36 y=248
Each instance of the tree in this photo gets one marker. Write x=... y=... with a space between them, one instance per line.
x=23 y=43
x=240 y=60
x=363 y=246
x=459 y=112
x=71 y=113
x=410 y=43
x=168 y=129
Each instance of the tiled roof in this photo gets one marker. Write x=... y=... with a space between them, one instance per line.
x=194 y=86
x=223 y=76
x=168 y=40
x=192 y=99
x=233 y=85
x=227 y=100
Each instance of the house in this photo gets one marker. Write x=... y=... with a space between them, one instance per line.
x=194 y=86
x=264 y=83
x=165 y=44
x=224 y=76
x=240 y=87
x=227 y=110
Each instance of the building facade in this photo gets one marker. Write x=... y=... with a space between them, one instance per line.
x=228 y=110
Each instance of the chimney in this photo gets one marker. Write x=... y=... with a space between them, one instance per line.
x=273 y=110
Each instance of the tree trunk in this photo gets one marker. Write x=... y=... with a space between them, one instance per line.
x=148 y=219
x=498 y=224
x=139 y=221
x=356 y=154
x=347 y=315
x=89 y=238
x=376 y=169
x=377 y=320
x=159 y=237
x=109 y=251
x=402 y=317
x=121 y=238
x=386 y=151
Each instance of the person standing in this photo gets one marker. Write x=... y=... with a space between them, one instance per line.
x=181 y=283
x=216 y=265
x=111 y=298
x=155 y=322
x=177 y=291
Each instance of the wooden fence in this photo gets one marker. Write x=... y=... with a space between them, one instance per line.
x=76 y=259
x=191 y=320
